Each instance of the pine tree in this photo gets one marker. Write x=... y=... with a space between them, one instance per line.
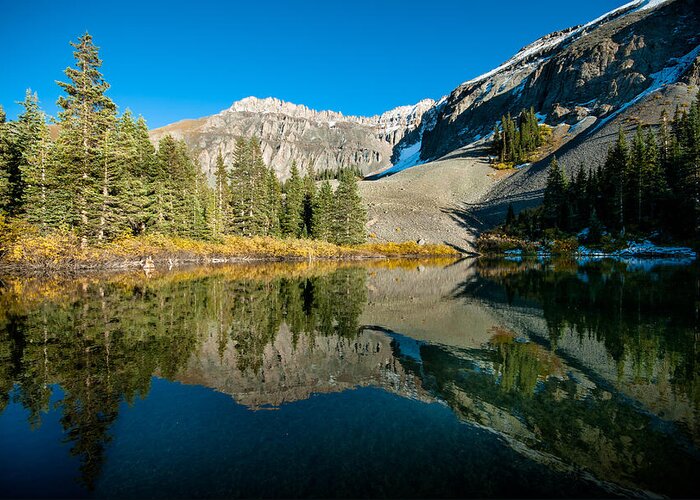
x=143 y=173
x=634 y=178
x=293 y=218
x=510 y=217
x=250 y=185
x=241 y=192
x=309 y=195
x=274 y=196
x=614 y=181
x=86 y=118
x=580 y=209
x=4 y=164
x=555 y=197
x=261 y=210
x=20 y=137
x=323 y=212
x=654 y=185
x=350 y=217
x=223 y=198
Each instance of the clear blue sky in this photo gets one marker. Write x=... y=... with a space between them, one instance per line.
x=173 y=60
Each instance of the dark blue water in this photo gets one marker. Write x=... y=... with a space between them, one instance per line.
x=188 y=441
x=520 y=381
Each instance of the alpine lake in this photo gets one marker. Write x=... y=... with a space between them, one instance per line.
x=401 y=378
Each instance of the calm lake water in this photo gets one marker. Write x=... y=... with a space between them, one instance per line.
x=403 y=379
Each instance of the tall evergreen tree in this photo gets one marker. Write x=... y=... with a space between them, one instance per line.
x=87 y=115
x=309 y=195
x=274 y=204
x=4 y=164
x=223 y=197
x=555 y=203
x=293 y=218
x=23 y=134
x=350 y=217
x=613 y=180
x=42 y=200
x=323 y=212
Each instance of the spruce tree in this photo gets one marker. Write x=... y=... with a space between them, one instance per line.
x=614 y=181
x=141 y=206
x=309 y=195
x=241 y=190
x=223 y=198
x=23 y=134
x=293 y=218
x=4 y=164
x=350 y=217
x=555 y=197
x=634 y=178
x=323 y=212
x=86 y=118
x=260 y=209
x=274 y=204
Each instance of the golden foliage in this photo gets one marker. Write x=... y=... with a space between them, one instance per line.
x=23 y=248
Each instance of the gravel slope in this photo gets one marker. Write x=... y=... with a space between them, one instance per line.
x=451 y=199
x=428 y=201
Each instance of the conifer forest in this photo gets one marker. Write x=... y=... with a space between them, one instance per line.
x=94 y=172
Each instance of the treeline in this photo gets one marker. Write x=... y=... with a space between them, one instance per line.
x=97 y=174
x=651 y=185
x=515 y=139
x=327 y=175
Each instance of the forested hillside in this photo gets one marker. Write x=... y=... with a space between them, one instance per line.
x=650 y=185
x=96 y=174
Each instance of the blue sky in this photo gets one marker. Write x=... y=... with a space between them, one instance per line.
x=173 y=60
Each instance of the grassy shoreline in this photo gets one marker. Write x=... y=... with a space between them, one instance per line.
x=62 y=252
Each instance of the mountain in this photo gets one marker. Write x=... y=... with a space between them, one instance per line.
x=594 y=70
x=290 y=132
x=623 y=69
x=620 y=70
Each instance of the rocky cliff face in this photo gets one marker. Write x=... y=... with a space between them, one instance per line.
x=595 y=70
x=290 y=132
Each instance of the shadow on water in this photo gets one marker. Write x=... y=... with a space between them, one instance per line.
x=590 y=374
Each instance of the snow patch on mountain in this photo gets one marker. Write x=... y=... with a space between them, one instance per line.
x=409 y=156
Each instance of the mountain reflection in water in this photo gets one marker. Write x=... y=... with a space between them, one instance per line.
x=589 y=374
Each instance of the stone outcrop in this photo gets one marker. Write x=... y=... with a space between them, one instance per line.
x=290 y=132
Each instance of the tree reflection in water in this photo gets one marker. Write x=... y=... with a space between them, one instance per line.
x=540 y=382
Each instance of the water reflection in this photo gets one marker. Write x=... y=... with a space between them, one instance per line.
x=591 y=370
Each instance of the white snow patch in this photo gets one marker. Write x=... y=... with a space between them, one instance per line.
x=409 y=157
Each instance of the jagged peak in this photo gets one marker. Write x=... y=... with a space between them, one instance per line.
x=272 y=105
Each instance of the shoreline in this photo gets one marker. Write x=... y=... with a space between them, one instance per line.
x=510 y=247
x=63 y=255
